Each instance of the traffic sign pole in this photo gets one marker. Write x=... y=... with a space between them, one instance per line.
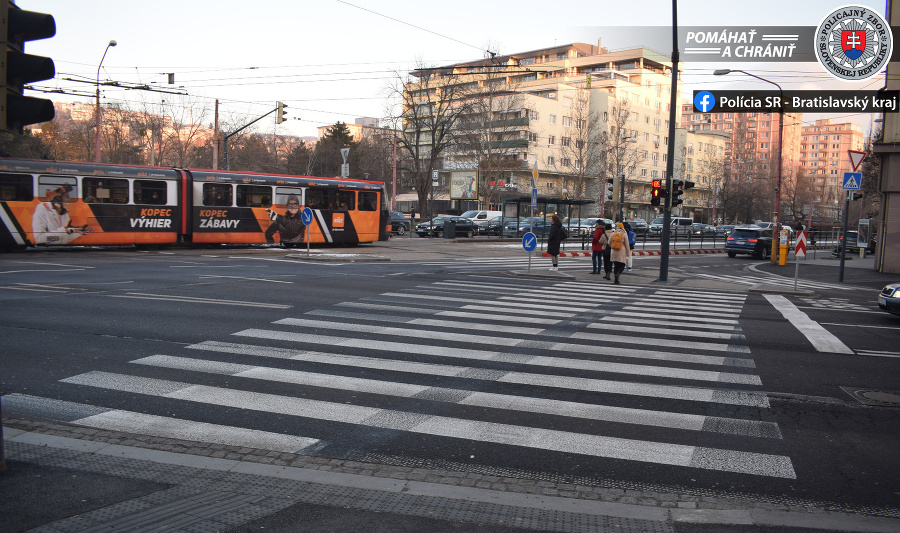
x=306 y=217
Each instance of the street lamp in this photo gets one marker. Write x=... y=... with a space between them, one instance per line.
x=777 y=227
x=97 y=110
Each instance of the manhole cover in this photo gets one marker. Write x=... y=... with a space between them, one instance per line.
x=881 y=398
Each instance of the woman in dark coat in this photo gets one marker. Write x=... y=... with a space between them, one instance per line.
x=553 y=241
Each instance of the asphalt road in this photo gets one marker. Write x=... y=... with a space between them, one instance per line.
x=273 y=345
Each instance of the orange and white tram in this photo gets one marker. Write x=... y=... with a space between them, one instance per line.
x=86 y=204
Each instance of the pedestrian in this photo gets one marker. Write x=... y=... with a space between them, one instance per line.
x=618 y=242
x=604 y=240
x=557 y=235
x=597 y=247
x=631 y=240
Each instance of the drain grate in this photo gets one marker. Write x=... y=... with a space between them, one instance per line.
x=874 y=397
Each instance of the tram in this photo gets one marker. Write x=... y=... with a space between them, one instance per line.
x=56 y=203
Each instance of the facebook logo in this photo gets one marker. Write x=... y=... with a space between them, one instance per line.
x=704 y=101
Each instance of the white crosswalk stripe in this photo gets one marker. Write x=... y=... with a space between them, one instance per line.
x=776 y=280
x=398 y=361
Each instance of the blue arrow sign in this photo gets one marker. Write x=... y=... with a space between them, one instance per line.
x=529 y=242
x=852 y=181
x=306 y=216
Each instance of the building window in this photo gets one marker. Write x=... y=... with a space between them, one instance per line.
x=551 y=140
x=565 y=141
x=551 y=162
x=567 y=122
x=552 y=119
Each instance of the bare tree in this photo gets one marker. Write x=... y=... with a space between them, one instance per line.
x=430 y=108
x=585 y=148
x=620 y=145
x=489 y=134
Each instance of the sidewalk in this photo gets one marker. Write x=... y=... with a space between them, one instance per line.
x=64 y=478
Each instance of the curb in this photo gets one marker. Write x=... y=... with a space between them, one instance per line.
x=340 y=258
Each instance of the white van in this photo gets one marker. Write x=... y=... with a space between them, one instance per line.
x=680 y=226
x=480 y=218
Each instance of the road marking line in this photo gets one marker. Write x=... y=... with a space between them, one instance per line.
x=625 y=415
x=193 y=299
x=468 y=430
x=821 y=339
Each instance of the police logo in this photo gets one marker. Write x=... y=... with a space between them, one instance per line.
x=854 y=43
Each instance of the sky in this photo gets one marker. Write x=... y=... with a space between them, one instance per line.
x=336 y=60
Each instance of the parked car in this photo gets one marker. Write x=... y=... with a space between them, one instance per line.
x=889 y=298
x=493 y=226
x=435 y=226
x=583 y=226
x=399 y=223
x=519 y=227
x=639 y=226
x=681 y=226
x=480 y=217
x=852 y=246
x=749 y=241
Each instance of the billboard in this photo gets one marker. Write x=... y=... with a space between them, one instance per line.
x=464 y=185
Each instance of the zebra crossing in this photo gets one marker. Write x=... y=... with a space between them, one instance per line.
x=780 y=281
x=562 y=367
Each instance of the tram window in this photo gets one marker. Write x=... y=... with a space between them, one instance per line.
x=254 y=196
x=368 y=201
x=105 y=190
x=16 y=188
x=217 y=194
x=150 y=192
x=51 y=186
x=320 y=199
x=346 y=200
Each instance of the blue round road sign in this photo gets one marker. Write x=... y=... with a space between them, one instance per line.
x=529 y=242
x=306 y=216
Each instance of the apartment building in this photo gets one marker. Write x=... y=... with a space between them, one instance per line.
x=823 y=158
x=554 y=108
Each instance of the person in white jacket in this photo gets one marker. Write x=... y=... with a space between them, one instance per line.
x=51 y=224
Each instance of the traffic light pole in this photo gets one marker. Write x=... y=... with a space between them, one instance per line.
x=670 y=162
x=621 y=197
x=242 y=128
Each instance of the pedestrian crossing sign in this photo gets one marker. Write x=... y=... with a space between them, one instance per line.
x=852 y=181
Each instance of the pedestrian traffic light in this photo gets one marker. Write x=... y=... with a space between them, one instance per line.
x=677 y=192
x=18 y=68
x=655 y=192
x=279 y=117
x=610 y=185
x=855 y=196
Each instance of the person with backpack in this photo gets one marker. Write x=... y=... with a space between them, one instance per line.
x=604 y=242
x=556 y=237
x=619 y=250
x=631 y=240
x=597 y=247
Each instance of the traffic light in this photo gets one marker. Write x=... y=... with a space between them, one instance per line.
x=655 y=192
x=18 y=68
x=677 y=192
x=855 y=196
x=610 y=185
x=279 y=118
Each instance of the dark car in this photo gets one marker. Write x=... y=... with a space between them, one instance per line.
x=639 y=226
x=399 y=223
x=517 y=227
x=703 y=230
x=749 y=241
x=889 y=298
x=852 y=245
x=493 y=226
x=464 y=227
